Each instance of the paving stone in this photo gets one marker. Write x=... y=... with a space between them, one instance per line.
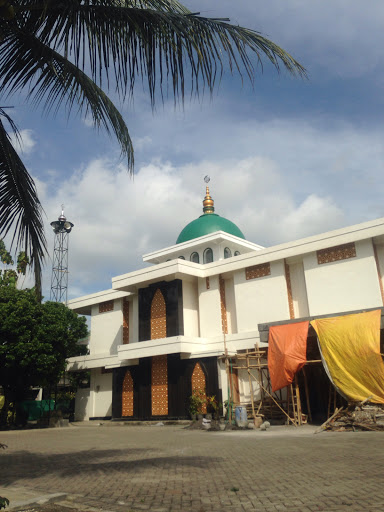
x=170 y=469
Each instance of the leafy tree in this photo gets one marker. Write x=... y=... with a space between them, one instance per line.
x=35 y=341
x=10 y=276
x=47 y=47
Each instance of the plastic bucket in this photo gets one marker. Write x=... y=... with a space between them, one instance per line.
x=241 y=416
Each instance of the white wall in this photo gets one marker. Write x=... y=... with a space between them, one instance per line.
x=134 y=320
x=380 y=257
x=299 y=290
x=217 y=249
x=101 y=394
x=230 y=303
x=209 y=307
x=106 y=329
x=82 y=404
x=260 y=300
x=245 y=387
x=190 y=308
x=223 y=379
x=345 y=285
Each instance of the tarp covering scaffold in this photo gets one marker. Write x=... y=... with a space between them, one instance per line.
x=287 y=348
x=350 y=347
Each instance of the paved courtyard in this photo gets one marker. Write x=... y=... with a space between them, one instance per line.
x=169 y=469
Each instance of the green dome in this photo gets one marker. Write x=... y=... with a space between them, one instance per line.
x=205 y=224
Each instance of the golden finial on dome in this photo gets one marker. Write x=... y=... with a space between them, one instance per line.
x=208 y=204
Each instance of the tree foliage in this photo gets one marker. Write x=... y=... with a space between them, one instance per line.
x=35 y=341
x=8 y=275
x=67 y=53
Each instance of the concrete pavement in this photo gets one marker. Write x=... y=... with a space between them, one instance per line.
x=169 y=469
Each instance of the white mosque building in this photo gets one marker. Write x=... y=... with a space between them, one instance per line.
x=162 y=330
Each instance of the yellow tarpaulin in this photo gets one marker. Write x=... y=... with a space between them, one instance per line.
x=350 y=346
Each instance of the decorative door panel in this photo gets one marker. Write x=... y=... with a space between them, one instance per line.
x=199 y=382
x=158 y=316
x=127 y=395
x=159 y=386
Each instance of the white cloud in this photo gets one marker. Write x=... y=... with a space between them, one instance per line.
x=277 y=178
x=88 y=121
x=26 y=144
x=142 y=143
x=117 y=219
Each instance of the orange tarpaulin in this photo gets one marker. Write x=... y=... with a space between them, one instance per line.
x=350 y=347
x=287 y=352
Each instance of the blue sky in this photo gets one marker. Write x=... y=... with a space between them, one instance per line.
x=287 y=158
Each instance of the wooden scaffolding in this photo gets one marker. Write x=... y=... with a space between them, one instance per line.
x=284 y=405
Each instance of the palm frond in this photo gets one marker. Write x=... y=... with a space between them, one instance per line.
x=157 y=39
x=47 y=47
x=53 y=80
x=20 y=208
x=12 y=124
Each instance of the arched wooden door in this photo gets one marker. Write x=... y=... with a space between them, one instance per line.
x=127 y=395
x=199 y=382
x=159 y=374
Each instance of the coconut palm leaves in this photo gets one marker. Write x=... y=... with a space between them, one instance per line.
x=20 y=208
x=64 y=53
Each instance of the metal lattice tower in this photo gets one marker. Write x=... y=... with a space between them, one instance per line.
x=59 y=281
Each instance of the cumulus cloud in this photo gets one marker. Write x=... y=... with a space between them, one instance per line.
x=88 y=121
x=286 y=161
x=278 y=180
x=26 y=144
x=118 y=219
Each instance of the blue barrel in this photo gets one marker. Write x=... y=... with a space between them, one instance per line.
x=241 y=416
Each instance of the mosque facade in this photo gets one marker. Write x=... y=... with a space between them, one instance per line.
x=162 y=331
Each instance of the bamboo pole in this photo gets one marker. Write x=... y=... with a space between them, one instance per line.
x=329 y=400
x=229 y=380
x=298 y=402
x=269 y=394
x=251 y=390
x=322 y=427
x=307 y=395
x=293 y=403
x=258 y=361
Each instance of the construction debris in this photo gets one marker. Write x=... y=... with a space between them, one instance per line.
x=355 y=417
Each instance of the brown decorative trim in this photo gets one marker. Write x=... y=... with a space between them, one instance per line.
x=106 y=306
x=159 y=386
x=127 y=395
x=158 y=316
x=289 y=291
x=340 y=252
x=258 y=271
x=199 y=384
x=223 y=306
x=125 y=322
x=379 y=273
x=207 y=284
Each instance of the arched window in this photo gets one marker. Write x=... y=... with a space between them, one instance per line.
x=227 y=253
x=208 y=255
x=195 y=257
x=237 y=253
x=181 y=258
